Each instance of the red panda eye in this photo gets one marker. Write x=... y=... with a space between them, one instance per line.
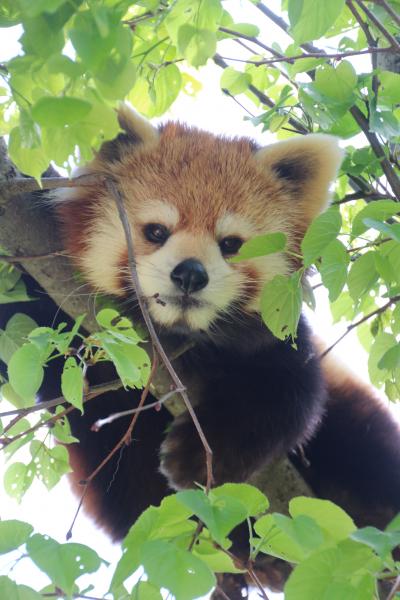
x=156 y=233
x=230 y=245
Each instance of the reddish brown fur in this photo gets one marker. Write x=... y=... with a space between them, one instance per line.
x=178 y=169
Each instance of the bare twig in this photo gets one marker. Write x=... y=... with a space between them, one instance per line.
x=97 y=425
x=295 y=123
x=363 y=195
x=352 y=326
x=94 y=391
x=125 y=439
x=283 y=25
x=395 y=589
x=364 y=26
x=115 y=192
x=291 y=59
x=372 y=138
x=393 y=14
x=243 y=36
x=390 y=38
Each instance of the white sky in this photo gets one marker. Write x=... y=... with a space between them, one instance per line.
x=52 y=512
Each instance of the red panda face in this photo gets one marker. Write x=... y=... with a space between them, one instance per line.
x=192 y=199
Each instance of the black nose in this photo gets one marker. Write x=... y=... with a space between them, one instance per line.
x=190 y=275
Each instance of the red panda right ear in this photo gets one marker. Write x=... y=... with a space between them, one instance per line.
x=137 y=131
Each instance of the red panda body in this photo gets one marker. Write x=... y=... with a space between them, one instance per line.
x=192 y=198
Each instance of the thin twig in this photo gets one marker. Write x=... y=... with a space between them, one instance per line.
x=249 y=38
x=390 y=38
x=364 y=26
x=363 y=195
x=352 y=326
x=379 y=152
x=117 y=195
x=290 y=59
x=395 y=589
x=97 y=425
x=232 y=97
x=393 y=14
x=94 y=391
x=125 y=439
x=295 y=123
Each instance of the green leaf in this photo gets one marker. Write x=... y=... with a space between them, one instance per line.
x=182 y=573
x=61 y=429
x=338 y=83
x=322 y=231
x=11 y=396
x=278 y=538
x=392 y=230
x=383 y=342
x=169 y=520
x=255 y=501
x=63 y=563
x=17 y=479
x=384 y=122
x=15 y=334
x=31 y=161
x=144 y=590
x=389 y=90
x=362 y=276
x=332 y=574
x=333 y=268
x=234 y=81
x=220 y=513
x=41 y=38
x=57 y=112
x=261 y=245
x=331 y=518
x=310 y=19
x=382 y=542
x=13 y=534
x=51 y=463
x=281 y=302
x=196 y=45
x=247 y=29
x=72 y=383
x=166 y=86
x=131 y=362
x=379 y=211
x=11 y=591
x=391 y=359
x=25 y=371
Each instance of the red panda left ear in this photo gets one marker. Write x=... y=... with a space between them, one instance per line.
x=137 y=131
x=306 y=166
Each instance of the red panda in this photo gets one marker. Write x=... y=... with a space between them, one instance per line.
x=192 y=199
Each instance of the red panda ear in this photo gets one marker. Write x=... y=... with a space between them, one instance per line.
x=306 y=166
x=136 y=126
x=136 y=131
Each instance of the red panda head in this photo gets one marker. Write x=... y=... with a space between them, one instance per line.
x=192 y=198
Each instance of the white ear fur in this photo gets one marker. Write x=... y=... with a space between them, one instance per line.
x=307 y=165
x=136 y=125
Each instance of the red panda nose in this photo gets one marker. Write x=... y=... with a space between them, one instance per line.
x=190 y=275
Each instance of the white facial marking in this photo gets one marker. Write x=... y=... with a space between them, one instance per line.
x=157 y=211
x=231 y=224
x=163 y=296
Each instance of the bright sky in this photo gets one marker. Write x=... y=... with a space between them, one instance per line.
x=52 y=513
